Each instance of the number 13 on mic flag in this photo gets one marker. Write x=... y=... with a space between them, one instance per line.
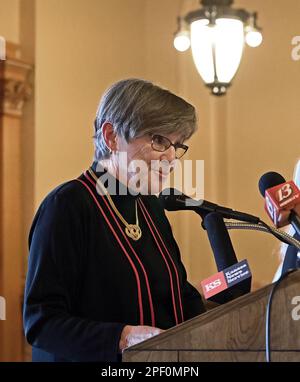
x=284 y=196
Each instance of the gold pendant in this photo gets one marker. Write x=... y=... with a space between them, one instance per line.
x=133 y=231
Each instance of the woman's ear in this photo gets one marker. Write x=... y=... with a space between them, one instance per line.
x=109 y=136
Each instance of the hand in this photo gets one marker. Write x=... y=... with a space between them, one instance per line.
x=132 y=335
x=283 y=218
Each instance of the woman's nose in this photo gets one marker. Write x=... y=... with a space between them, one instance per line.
x=170 y=154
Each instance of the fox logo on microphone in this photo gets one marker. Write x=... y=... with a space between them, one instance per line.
x=2 y=308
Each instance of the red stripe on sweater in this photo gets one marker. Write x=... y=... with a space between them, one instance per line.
x=124 y=250
x=170 y=257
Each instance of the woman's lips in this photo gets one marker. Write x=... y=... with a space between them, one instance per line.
x=162 y=174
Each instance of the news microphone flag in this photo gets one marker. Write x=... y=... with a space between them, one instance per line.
x=280 y=197
x=228 y=284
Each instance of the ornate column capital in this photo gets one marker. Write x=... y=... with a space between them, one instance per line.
x=15 y=87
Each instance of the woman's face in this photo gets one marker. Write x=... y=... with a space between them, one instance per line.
x=146 y=169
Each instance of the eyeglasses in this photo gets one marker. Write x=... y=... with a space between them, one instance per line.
x=160 y=143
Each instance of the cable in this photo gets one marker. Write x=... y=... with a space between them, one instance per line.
x=268 y=314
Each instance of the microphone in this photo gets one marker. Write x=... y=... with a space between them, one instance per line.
x=280 y=197
x=233 y=278
x=172 y=199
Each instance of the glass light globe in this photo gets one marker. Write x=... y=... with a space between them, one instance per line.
x=182 y=41
x=225 y=41
x=253 y=38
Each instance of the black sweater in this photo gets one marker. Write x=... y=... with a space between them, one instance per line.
x=86 y=281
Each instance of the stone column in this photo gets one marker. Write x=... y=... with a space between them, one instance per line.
x=14 y=91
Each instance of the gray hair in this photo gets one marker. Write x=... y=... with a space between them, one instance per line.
x=136 y=108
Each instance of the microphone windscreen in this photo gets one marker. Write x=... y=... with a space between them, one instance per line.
x=168 y=197
x=172 y=199
x=269 y=180
x=219 y=240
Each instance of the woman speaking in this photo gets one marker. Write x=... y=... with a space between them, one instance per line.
x=104 y=268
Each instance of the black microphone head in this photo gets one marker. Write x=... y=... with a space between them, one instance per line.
x=172 y=199
x=169 y=197
x=219 y=240
x=169 y=192
x=269 y=180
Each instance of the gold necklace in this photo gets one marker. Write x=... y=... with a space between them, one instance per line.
x=132 y=230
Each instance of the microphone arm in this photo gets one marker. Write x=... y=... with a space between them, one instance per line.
x=179 y=201
x=281 y=235
x=201 y=207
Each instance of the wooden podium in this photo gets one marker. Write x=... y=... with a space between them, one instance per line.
x=232 y=332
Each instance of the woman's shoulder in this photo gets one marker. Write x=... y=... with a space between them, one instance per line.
x=66 y=205
x=69 y=190
x=70 y=195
